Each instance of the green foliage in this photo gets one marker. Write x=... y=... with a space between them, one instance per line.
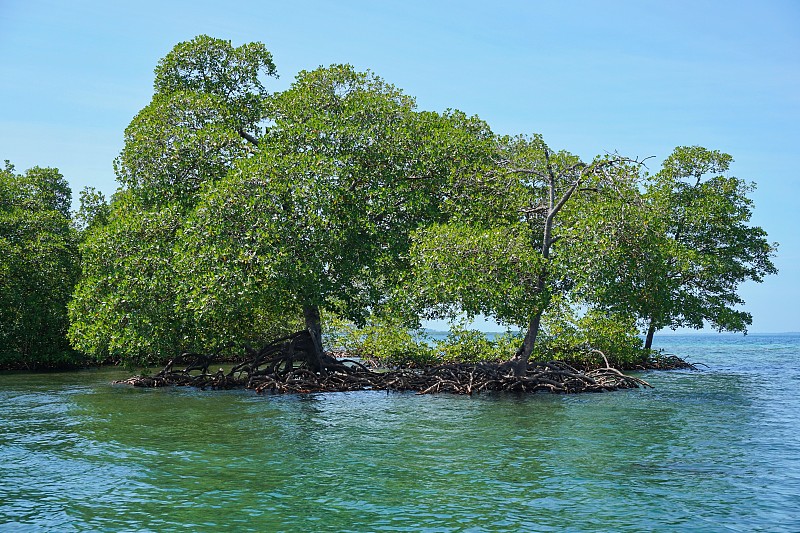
x=505 y=252
x=464 y=345
x=242 y=211
x=684 y=248
x=382 y=343
x=668 y=250
x=209 y=101
x=467 y=268
x=390 y=343
x=175 y=145
x=94 y=211
x=222 y=230
x=321 y=215
x=39 y=266
x=711 y=248
x=588 y=338
x=124 y=304
x=132 y=300
x=218 y=70
x=616 y=336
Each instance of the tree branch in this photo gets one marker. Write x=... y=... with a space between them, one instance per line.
x=246 y=136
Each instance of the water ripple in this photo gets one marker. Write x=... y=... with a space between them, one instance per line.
x=716 y=450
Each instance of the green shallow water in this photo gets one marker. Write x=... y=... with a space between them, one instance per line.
x=717 y=450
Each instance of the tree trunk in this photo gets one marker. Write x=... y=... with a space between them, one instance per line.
x=648 y=341
x=314 y=327
x=519 y=364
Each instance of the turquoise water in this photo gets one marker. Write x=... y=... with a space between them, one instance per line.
x=716 y=450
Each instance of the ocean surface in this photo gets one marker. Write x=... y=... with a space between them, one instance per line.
x=712 y=450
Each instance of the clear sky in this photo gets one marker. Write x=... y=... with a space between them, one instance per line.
x=639 y=77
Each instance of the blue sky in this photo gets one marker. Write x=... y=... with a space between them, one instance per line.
x=638 y=77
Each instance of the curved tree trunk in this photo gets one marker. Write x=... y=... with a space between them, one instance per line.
x=555 y=202
x=648 y=341
x=519 y=364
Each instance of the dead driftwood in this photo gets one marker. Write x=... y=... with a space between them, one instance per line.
x=283 y=366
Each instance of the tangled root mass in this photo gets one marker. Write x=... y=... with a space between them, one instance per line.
x=285 y=365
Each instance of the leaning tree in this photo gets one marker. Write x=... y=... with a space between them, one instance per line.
x=504 y=252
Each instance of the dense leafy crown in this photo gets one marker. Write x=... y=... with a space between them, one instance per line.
x=38 y=267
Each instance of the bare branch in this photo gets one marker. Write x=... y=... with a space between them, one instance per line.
x=534 y=209
x=554 y=240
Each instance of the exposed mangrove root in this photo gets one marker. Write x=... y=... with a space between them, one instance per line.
x=283 y=366
x=668 y=361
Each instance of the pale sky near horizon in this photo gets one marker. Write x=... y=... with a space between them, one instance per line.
x=637 y=77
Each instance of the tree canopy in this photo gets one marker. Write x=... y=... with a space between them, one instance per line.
x=686 y=248
x=501 y=254
x=243 y=213
x=209 y=101
x=218 y=224
x=39 y=266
